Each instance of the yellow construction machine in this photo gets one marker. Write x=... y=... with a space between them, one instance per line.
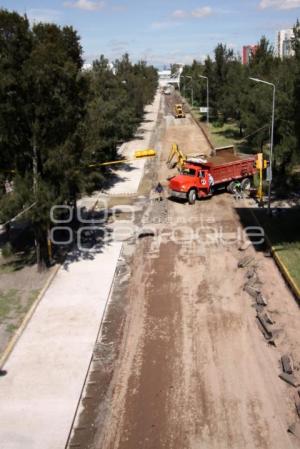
x=182 y=158
x=178 y=111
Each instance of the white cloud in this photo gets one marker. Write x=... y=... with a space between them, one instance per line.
x=179 y=14
x=279 y=4
x=87 y=5
x=177 y=17
x=202 y=12
x=198 y=13
x=43 y=15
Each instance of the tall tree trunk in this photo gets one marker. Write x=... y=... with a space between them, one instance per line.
x=41 y=247
x=35 y=166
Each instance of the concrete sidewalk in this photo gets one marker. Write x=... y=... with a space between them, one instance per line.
x=46 y=370
x=131 y=177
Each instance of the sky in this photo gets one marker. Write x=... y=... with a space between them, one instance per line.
x=163 y=31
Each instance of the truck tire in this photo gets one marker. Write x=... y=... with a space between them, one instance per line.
x=192 y=196
x=231 y=187
x=246 y=185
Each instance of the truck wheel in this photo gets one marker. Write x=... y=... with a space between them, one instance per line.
x=231 y=187
x=192 y=196
x=245 y=185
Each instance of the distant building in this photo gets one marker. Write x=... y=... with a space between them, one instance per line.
x=284 y=43
x=166 y=77
x=248 y=52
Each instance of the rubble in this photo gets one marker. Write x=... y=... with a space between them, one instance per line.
x=245 y=261
x=287 y=364
x=290 y=379
x=295 y=429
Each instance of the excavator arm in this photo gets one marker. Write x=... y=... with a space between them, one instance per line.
x=181 y=157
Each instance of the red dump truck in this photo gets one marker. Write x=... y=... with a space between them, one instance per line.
x=224 y=170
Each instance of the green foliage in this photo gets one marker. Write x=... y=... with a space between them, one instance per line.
x=56 y=119
x=117 y=97
x=7 y=250
x=233 y=97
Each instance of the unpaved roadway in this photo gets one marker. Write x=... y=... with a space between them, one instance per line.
x=181 y=363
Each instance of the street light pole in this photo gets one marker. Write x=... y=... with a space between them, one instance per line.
x=207 y=97
x=257 y=80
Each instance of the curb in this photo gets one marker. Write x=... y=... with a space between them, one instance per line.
x=205 y=133
x=199 y=124
x=13 y=341
x=281 y=265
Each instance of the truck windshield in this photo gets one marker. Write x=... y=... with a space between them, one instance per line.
x=188 y=171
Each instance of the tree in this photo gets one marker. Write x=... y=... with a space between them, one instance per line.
x=50 y=109
x=234 y=97
x=296 y=93
x=15 y=47
x=117 y=96
x=56 y=119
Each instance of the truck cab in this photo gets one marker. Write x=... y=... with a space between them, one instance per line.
x=193 y=181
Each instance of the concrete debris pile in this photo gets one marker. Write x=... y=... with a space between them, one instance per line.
x=265 y=322
x=253 y=286
x=264 y=325
x=297 y=403
x=290 y=376
x=295 y=430
x=245 y=261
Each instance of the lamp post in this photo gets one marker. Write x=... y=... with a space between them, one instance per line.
x=257 y=80
x=207 y=97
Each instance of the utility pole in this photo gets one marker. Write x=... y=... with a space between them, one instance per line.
x=257 y=80
x=207 y=97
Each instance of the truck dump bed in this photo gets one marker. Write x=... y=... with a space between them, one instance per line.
x=226 y=166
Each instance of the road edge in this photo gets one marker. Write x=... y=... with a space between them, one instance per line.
x=199 y=124
x=17 y=335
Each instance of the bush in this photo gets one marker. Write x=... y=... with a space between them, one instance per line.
x=7 y=250
x=218 y=124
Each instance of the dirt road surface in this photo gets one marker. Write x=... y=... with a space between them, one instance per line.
x=181 y=363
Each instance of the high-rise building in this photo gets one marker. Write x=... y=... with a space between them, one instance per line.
x=284 y=43
x=248 y=52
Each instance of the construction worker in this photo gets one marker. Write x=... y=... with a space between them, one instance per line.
x=159 y=189
x=238 y=191
x=211 y=182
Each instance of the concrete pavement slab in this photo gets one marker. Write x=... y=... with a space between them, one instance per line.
x=47 y=369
